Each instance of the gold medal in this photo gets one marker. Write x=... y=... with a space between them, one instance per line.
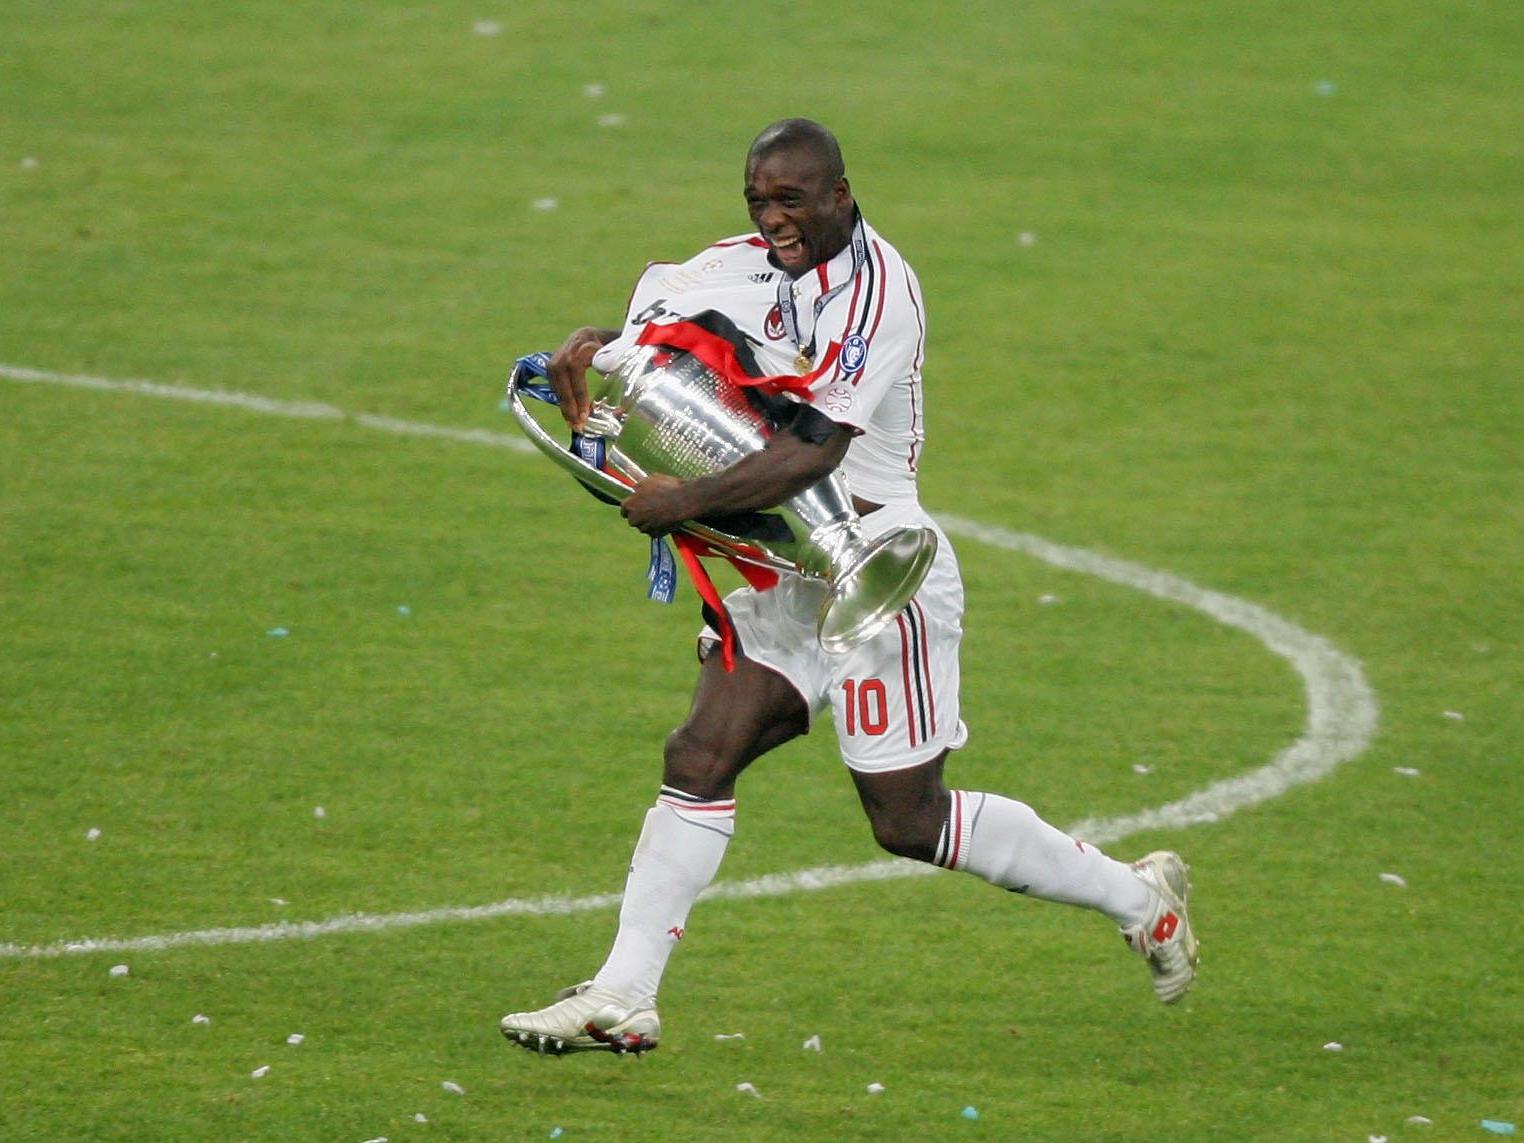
x=802 y=363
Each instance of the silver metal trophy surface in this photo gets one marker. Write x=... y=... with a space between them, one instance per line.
x=665 y=411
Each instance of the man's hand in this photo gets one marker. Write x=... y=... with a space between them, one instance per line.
x=658 y=504
x=568 y=372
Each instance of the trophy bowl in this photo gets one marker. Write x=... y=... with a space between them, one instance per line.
x=661 y=410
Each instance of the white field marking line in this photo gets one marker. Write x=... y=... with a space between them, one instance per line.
x=300 y=410
x=1341 y=717
x=1341 y=707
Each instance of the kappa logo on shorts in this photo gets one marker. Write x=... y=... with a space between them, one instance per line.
x=773 y=325
x=854 y=353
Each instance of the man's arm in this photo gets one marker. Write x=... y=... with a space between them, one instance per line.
x=764 y=479
x=568 y=371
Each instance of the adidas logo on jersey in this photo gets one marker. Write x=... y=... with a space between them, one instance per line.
x=762 y=276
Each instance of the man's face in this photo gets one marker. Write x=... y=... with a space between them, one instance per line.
x=805 y=217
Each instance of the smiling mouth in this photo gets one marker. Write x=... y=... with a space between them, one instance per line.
x=789 y=249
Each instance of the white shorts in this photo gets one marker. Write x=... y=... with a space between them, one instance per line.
x=895 y=697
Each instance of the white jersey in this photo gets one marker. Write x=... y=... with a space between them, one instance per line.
x=858 y=336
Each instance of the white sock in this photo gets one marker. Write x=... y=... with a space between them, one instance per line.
x=1007 y=844
x=678 y=854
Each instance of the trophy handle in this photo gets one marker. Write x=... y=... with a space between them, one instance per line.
x=595 y=478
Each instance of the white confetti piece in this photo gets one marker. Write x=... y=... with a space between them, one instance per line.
x=1326 y=87
x=1139 y=768
x=612 y=120
x=546 y=203
x=1333 y=1046
x=1375 y=1139
x=319 y=812
x=875 y=1089
x=730 y=1035
x=260 y=1072
x=404 y=610
x=1394 y=879
x=1419 y=1121
x=749 y=1089
x=1027 y=238
x=420 y=1117
x=1455 y=716
x=453 y=1088
x=120 y=970
x=279 y=901
x=1048 y=600
x=813 y=1044
x=92 y=834
x=377 y=1139
x=487 y=28
x=201 y=1018
x=29 y=163
x=295 y=1038
x=1406 y=771
x=593 y=90
x=278 y=632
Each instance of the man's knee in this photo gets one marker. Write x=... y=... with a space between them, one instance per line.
x=696 y=764
x=911 y=835
x=907 y=808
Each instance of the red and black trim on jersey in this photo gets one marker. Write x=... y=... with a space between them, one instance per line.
x=915 y=669
x=865 y=311
x=749 y=240
x=920 y=359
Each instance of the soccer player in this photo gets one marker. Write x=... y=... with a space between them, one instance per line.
x=834 y=315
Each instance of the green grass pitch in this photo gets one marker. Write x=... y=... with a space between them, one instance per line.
x=1230 y=291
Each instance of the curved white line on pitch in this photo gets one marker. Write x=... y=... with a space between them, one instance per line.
x=1341 y=713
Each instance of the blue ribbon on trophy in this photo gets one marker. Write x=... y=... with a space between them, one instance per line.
x=661 y=573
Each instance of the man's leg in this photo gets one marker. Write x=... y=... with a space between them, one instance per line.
x=1005 y=842
x=735 y=717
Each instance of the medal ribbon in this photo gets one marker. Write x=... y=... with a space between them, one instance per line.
x=537 y=365
x=790 y=315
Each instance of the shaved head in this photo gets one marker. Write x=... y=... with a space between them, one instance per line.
x=800 y=136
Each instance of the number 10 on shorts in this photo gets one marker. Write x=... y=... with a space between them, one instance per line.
x=867 y=706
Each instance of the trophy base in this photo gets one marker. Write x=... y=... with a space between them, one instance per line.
x=871 y=591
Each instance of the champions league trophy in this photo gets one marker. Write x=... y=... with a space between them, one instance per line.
x=665 y=411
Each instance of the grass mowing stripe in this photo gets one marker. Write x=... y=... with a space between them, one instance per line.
x=1341 y=713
